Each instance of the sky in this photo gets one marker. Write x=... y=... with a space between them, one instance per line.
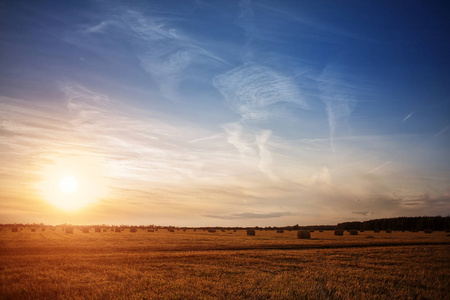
x=223 y=113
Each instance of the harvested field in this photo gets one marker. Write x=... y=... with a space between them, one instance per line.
x=52 y=264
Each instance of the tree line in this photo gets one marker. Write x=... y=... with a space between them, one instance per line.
x=437 y=223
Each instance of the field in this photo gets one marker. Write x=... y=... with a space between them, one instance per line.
x=202 y=265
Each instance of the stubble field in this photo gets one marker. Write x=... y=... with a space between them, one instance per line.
x=202 y=265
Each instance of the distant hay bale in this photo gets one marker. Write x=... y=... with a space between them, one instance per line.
x=171 y=230
x=68 y=230
x=184 y=230
x=117 y=229
x=362 y=230
x=195 y=230
x=280 y=231
x=43 y=229
x=311 y=230
x=15 y=229
x=251 y=232
x=223 y=230
x=353 y=232
x=320 y=230
x=85 y=230
x=33 y=229
x=339 y=232
x=105 y=230
x=211 y=230
x=304 y=234
x=234 y=230
x=98 y=229
x=150 y=230
x=370 y=237
x=388 y=231
x=133 y=230
x=428 y=231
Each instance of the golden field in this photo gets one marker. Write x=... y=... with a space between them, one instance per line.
x=203 y=265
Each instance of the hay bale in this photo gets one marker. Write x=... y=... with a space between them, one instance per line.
x=376 y=231
x=280 y=231
x=133 y=230
x=353 y=232
x=223 y=230
x=388 y=231
x=15 y=229
x=117 y=229
x=150 y=230
x=105 y=230
x=98 y=229
x=320 y=230
x=211 y=230
x=428 y=231
x=68 y=230
x=33 y=229
x=304 y=234
x=171 y=230
x=339 y=232
x=251 y=232
x=311 y=230
x=43 y=229
x=85 y=230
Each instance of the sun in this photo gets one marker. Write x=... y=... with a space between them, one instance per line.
x=73 y=184
x=68 y=184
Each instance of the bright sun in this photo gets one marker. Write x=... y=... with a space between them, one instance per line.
x=72 y=185
x=68 y=184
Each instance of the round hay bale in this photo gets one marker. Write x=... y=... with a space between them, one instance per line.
x=85 y=230
x=105 y=230
x=304 y=234
x=150 y=230
x=353 y=232
x=33 y=229
x=133 y=230
x=98 y=229
x=251 y=232
x=376 y=231
x=171 y=230
x=388 y=231
x=311 y=230
x=211 y=230
x=43 y=229
x=15 y=229
x=280 y=231
x=339 y=232
x=320 y=230
x=68 y=230
x=117 y=229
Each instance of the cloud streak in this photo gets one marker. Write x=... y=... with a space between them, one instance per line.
x=254 y=91
x=248 y=215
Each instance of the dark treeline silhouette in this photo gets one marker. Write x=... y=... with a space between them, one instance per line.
x=403 y=223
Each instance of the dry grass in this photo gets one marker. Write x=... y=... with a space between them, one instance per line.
x=194 y=265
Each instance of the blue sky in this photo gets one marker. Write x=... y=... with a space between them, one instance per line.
x=225 y=112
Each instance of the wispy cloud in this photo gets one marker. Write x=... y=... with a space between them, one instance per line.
x=363 y=213
x=255 y=90
x=442 y=131
x=379 y=167
x=407 y=117
x=251 y=215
